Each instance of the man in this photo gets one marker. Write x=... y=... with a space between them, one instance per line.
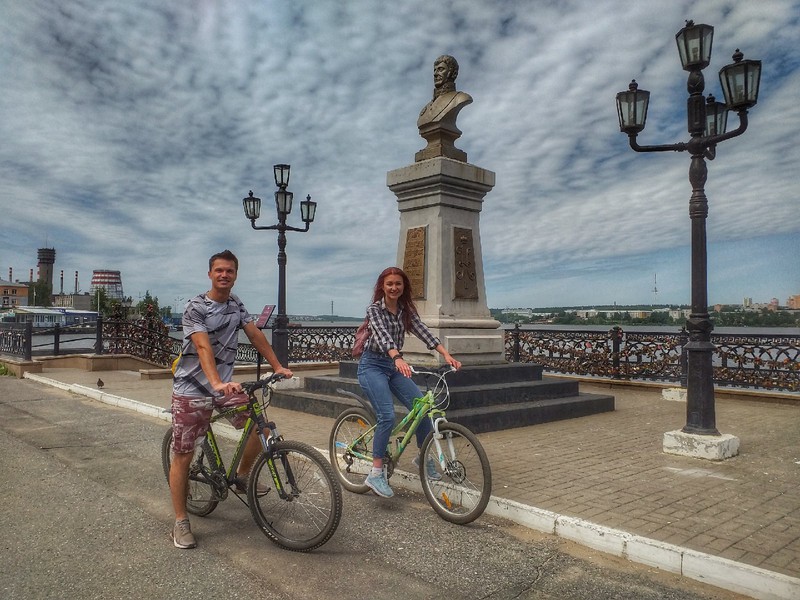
x=211 y=324
x=447 y=102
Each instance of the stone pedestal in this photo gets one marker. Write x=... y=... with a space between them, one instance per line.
x=710 y=447
x=440 y=200
x=441 y=139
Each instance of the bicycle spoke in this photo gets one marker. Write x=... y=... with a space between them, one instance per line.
x=308 y=512
x=201 y=498
x=349 y=439
x=462 y=492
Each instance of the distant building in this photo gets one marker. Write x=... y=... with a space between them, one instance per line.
x=76 y=301
x=47 y=258
x=39 y=316
x=13 y=294
x=639 y=314
x=680 y=314
x=793 y=303
x=110 y=282
x=772 y=305
x=78 y=317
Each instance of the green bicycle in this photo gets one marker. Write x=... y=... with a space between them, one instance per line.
x=453 y=467
x=292 y=492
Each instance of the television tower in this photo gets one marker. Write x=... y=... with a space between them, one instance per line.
x=655 y=289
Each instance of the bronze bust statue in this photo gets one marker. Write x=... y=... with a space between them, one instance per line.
x=447 y=101
x=437 y=119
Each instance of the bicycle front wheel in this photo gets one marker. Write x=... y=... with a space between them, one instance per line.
x=200 y=498
x=348 y=435
x=299 y=505
x=460 y=492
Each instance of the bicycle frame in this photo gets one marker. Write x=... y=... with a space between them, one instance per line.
x=422 y=408
x=255 y=421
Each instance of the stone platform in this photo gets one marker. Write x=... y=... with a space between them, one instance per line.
x=483 y=398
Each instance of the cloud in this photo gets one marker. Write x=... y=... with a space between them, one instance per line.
x=132 y=130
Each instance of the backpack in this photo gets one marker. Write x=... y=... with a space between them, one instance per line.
x=362 y=333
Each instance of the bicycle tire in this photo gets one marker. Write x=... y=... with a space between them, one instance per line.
x=461 y=493
x=351 y=471
x=201 y=499
x=308 y=514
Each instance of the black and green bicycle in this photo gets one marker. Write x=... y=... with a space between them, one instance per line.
x=453 y=467
x=292 y=492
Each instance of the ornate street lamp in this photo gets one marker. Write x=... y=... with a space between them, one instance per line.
x=283 y=206
x=707 y=121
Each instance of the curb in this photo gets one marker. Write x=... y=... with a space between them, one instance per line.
x=723 y=573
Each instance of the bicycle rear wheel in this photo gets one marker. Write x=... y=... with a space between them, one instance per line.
x=304 y=512
x=200 y=499
x=351 y=471
x=461 y=492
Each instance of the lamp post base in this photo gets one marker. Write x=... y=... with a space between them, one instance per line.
x=674 y=394
x=709 y=447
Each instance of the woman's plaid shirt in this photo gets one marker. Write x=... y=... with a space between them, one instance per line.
x=386 y=331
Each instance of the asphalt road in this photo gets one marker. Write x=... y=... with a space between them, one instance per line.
x=86 y=514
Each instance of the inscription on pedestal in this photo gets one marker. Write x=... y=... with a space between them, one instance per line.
x=466 y=280
x=414 y=261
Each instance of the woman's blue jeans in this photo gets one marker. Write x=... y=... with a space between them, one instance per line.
x=380 y=380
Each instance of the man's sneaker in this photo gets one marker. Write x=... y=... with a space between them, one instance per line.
x=240 y=486
x=182 y=535
x=379 y=485
x=430 y=466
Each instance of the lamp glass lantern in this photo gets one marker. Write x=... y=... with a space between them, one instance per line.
x=716 y=117
x=308 y=209
x=740 y=81
x=252 y=206
x=632 y=108
x=283 y=201
x=694 y=45
x=281 y=173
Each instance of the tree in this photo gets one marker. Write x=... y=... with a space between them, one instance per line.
x=101 y=302
x=40 y=294
x=148 y=300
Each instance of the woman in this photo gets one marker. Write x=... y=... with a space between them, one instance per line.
x=382 y=371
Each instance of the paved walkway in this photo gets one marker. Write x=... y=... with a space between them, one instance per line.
x=604 y=481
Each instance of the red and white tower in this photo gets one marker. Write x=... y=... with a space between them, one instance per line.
x=110 y=282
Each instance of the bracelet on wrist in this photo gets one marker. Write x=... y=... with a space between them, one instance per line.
x=398 y=355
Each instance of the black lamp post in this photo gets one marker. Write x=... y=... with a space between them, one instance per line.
x=283 y=204
x=707 y=120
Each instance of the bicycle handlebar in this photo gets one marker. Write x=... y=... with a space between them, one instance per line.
x=251 y=386
x=440 y=372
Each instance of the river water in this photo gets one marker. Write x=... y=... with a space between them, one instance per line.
x=73 y=341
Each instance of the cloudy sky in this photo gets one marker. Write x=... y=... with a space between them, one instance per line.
x=130 y=131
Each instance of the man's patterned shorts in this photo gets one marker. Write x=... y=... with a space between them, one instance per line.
x=191 y=417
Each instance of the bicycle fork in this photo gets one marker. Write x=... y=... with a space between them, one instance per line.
x=448 y=460
x=268 y=443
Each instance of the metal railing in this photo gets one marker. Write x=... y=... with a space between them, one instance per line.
x=16 y=340
x=753 y=361
x=758 y=361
